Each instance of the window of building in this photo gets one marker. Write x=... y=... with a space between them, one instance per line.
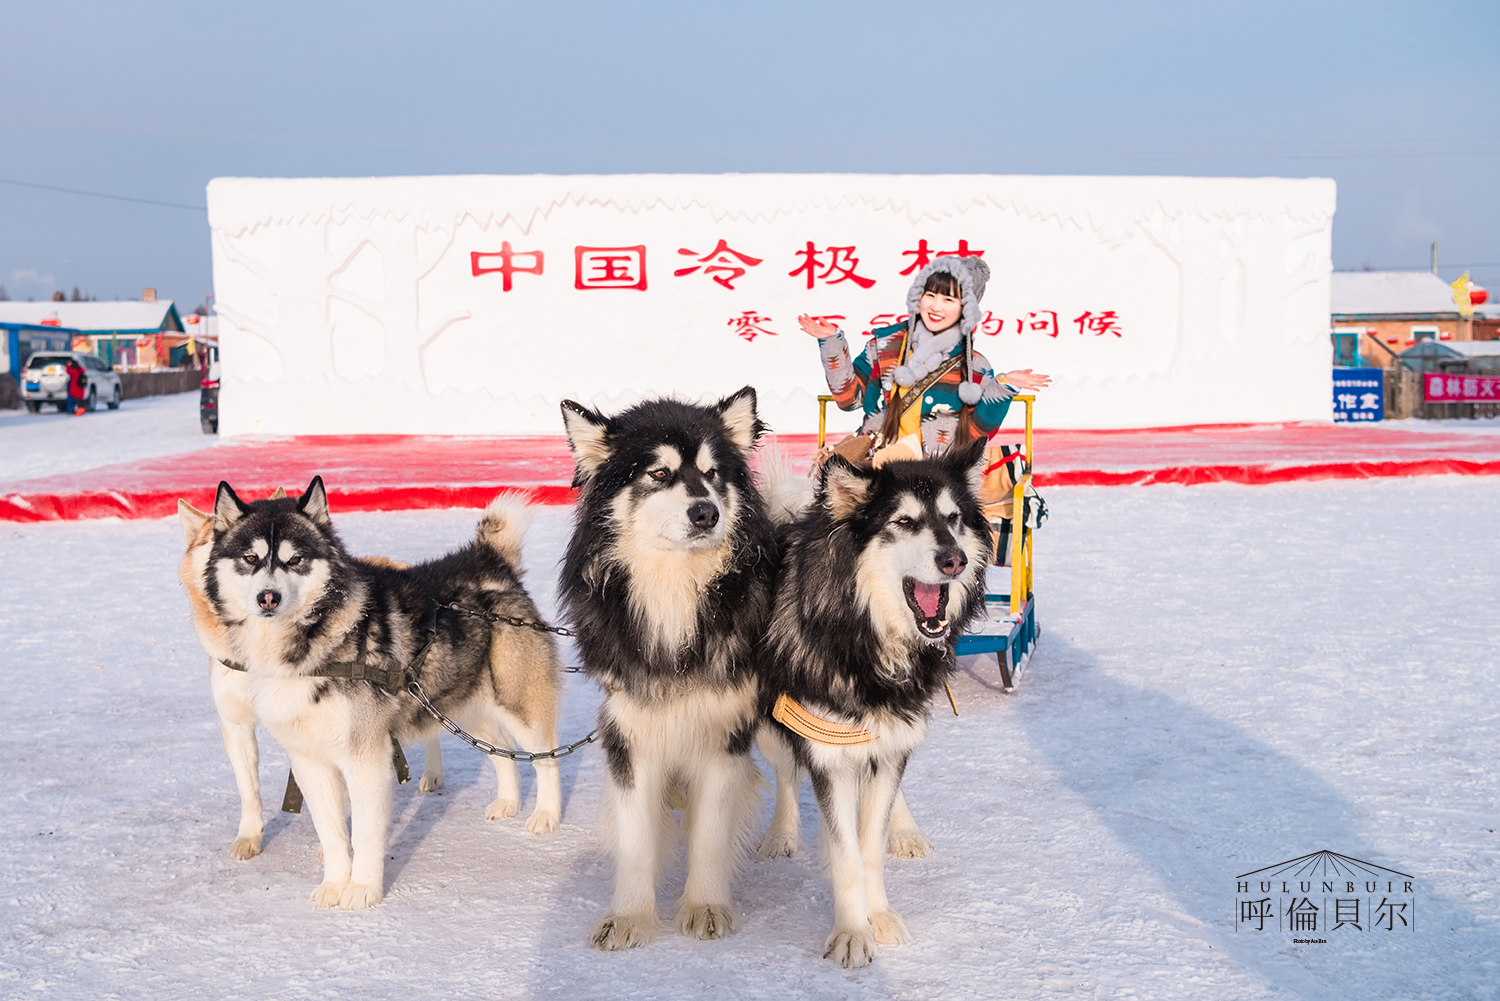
x=1346 y=346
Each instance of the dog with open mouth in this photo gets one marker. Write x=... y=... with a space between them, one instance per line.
x=877 y=580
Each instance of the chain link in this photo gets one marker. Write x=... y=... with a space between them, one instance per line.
x=415 y=688
x=510 y=620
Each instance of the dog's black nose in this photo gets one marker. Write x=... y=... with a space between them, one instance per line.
x=952 y=561
x=703 y=514
x=268 y=599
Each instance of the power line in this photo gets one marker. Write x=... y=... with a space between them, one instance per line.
x=1107 y=151
x=101 y=194
x=1443 y=265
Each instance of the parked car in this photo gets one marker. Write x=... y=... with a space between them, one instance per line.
x=208 y=394
x=45 y=380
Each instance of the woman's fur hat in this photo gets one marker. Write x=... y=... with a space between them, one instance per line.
x=972 y=274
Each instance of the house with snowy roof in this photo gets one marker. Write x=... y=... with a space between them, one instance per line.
x=1379 y=314
x=122 y=333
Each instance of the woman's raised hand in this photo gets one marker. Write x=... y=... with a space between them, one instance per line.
x=1025 y=378
x=816 y=326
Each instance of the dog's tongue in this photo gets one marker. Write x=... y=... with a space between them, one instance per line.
x=927 y=596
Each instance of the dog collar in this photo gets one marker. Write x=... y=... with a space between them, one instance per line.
x=795 y=717
x=392 y=678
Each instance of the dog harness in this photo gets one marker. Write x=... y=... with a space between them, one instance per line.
x=795 y=717
x=392 y=678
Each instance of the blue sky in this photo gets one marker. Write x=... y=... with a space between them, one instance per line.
x=1395 y=101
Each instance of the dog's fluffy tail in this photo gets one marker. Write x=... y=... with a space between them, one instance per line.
x=788 y=494
x=503 y=526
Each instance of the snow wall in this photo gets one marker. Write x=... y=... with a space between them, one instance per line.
x=473 y=305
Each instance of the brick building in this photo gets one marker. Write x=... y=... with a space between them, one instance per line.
x=1379 y=314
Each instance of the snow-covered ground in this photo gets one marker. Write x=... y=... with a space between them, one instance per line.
x=50 y=442
x=1477 y=425
x=1228 y=677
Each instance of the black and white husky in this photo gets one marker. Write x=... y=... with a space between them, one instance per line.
x=667 y=580
x=291 y=601
x=877 y=580
x=231 y=688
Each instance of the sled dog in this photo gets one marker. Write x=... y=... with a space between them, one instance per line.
x=292 y=603
x=231 y=689
x=667 y=580
x=876 y=582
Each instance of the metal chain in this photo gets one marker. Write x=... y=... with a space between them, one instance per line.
x=510 y=620
x=415 y=688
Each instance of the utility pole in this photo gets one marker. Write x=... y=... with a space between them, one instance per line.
x=1434 y=257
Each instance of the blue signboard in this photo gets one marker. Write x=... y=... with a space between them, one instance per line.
x=1358 y=394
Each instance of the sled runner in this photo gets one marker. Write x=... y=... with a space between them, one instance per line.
x=1008 y=629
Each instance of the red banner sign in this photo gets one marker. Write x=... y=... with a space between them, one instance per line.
x=1460 y=388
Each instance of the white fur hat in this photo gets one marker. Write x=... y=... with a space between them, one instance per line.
x=972 y=274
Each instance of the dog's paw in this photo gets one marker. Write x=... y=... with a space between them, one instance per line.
x=542 y=822
x=358 y=896
x=329 y=893
x=243 y=848
x=624 y=931
x=889 y=928
x=851 y=948
x=910 y=843
x=777 y=844
x=431 y=783
x=707 y=921
x=500 y=809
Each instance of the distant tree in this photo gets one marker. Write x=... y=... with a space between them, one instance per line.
x=77 y=297
x=200 y=311
x=59 y=297
x=4 y=295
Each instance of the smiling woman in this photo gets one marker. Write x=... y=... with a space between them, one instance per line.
x=920 y=379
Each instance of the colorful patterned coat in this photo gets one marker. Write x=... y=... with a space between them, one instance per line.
x=866 y=381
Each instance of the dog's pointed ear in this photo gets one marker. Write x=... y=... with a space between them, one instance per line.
x=845 y=487
x=587 y=430
x=741 y=419
x=314 y=503
x=277 y=494
x=968 y=462
x=227 y=507
x=192 y=520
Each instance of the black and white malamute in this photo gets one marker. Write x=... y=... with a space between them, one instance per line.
x=877 y=580
x=667 y=580
x=231 y=688
x=291 y=602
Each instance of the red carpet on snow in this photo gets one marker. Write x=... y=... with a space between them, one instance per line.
x=409 y=472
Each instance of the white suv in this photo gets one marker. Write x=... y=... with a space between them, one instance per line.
x=45 y=380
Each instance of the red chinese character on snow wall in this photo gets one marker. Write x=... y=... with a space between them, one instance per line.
x=749 y=323
x=610 y=267
x=990 y=324
x=721 y=260
x=885 y=319
x=1098 y=323
x=924 y=254
x=841 y=261
x=508 y=265
x=1044 y=321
